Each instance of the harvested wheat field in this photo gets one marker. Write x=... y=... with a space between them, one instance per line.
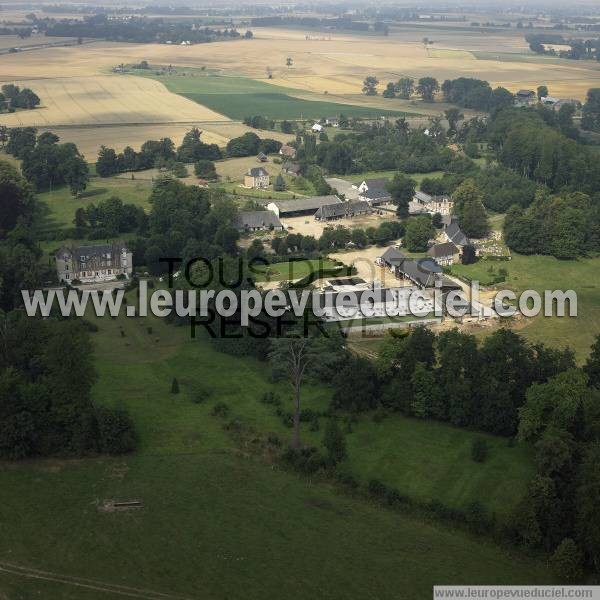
x=106 y=99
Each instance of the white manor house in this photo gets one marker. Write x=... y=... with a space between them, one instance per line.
x=94 y=264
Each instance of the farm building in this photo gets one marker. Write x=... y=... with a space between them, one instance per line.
x=453 y=233
x=301 y=206
x=373 y=184
x=291 y=168
x=258 y=220
x=257 y=178
x=375 y=197
x=317 y=128
x=287 y=151
x=525 y=98
x=369 y=300
x=567 y=101
x=444 y=254
x=341 y=210
x=424 y=203
x=332 y=121
x=93 y=264
x=262 y=157
x=423 y=272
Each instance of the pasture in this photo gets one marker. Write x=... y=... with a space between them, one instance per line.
x=547 y=273
x=59 y=206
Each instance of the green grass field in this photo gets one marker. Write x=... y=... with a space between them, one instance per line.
x=287 y=271
x=219 y=522
x=239 y=97
x=547 y=273
x=59 y=205
x=418 y=177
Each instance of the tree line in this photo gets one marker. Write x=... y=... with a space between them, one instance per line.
x=141 y=30
x=163 y=154
x=45 y=162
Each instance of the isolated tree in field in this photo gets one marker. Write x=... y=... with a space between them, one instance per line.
x=334 y=441
x=427 y=88
x=405 y=87
x=26 y=98
x=542 y=92
x=370 y=85
x=453 y=116
x=174 y=386
x=402 y=189
x=468 y=206
x=390 y=90
x=289 y=62
x=294 y=354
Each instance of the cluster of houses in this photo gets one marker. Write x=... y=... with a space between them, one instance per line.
x=530 y=98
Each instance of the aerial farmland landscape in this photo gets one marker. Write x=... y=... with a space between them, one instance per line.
x=299 y=300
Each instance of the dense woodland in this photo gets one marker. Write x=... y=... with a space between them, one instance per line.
x=140 y=30
x=46 y=366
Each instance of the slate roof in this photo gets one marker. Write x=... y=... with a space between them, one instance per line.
x=393 y=256
x=422 y=196
x=377 y=196
x=421 y=271
x=445 y=249
x=95 y=251
x=455 y=234
x=376 y=184
x=257 y=219
x=257 y=172
x=305 y=204
x=526 y=93
x=341 y=209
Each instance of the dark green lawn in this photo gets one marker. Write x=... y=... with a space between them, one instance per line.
x=219 y=522
x=240 y=97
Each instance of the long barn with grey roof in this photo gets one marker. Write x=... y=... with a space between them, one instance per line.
x=301 y=206
x=342 y=210
x=258 y=220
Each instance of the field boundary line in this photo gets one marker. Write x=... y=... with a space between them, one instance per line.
x=92 y=584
